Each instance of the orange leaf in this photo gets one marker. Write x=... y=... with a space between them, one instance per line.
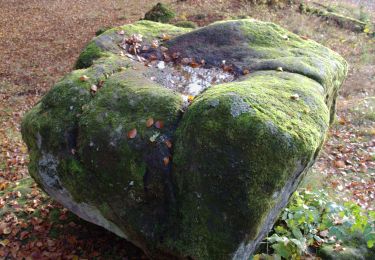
x=339 y=164
x=166 y=37
x=132 y=133
x=83 y=78
x=166 y=161
x=193 y=64
x=159 y=124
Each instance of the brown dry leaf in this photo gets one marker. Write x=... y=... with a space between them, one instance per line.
x=304 y=37
x=83 y=78
x=7 y=231
x=4 y=185
x=23 y=235
x=339 y=164
x=155 y=44
x=245 y=71
x=159 y=124
x=4 y=242
x=166 y=37
x=166 y=160
x=132 y=133
x=193 y=64
x=168 y=143
x=341 y=121
x=149 y=122
x=227 y=68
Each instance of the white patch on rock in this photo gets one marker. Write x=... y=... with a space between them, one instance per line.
x=187 y=80
x=52 y=185
x=161 y=65
x=239 y=106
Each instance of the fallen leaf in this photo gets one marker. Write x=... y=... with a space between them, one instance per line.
x=193 y=64
x=132 y=133
x=4 y=242
x=166 y=160
x=155 y=44
x=168 y=143
x=7 y=231
x=339 y=164
x=159 y=124
x=83 y=78
x=341 y=121
x=227 y=68
x=245 y=71
x=166 y=37
x=4 y=185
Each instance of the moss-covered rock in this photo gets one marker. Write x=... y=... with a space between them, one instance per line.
x=160 y=13
x=238 y=152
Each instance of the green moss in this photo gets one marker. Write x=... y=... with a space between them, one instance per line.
x=186 y=24
x=263 y=136
x=88 y=55
x=160 y=13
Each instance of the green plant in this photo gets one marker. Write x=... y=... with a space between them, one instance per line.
x=312 y=220
x=160 y=13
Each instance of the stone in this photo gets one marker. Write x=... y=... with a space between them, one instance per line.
x=208 y=179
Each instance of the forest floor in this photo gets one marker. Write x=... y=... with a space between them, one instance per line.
x=41 y=39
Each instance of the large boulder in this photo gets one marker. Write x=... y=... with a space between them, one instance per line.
x=239 y=150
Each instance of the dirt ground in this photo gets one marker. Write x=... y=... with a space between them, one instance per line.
x=41 y=39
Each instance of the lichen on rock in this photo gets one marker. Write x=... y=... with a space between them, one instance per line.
x=204 y=181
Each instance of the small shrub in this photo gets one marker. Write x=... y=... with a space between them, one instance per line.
x=312 y=220
x=160 y=13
